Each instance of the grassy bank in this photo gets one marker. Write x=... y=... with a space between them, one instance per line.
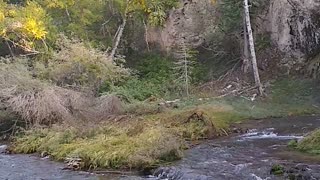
x=130 y=142
x=145 y=138
x=310 y=144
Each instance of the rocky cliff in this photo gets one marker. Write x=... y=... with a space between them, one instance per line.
x=193 y=21
x=293 y=26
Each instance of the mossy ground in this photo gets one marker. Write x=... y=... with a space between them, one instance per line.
x=149 y=138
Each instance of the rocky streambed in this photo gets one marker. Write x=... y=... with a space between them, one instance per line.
x=259 y=154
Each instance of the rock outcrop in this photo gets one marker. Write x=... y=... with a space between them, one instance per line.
x=294 y=26
x=194 y=21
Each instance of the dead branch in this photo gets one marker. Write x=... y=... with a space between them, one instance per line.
x=237 y=92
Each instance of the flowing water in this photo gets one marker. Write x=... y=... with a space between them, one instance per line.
x=248 y=156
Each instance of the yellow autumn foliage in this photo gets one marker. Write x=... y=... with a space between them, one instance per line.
x=22 y=25
x=58 y=3
x=1 y=16
x=35 y=28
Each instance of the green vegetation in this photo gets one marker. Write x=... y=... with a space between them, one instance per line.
x=153 y=78
x=277 y=170
x=134 y=142
x=147 y=137
x=86 y=87
x=310 y=144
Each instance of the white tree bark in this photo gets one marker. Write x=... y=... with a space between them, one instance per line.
x=120 y=32
x=146 y=35
x=252 y=48
x=245 y=61
x=186 y=73
x=118 y=38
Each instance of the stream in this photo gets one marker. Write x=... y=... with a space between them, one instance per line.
x=248 y=156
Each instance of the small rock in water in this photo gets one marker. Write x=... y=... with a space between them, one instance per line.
x=3 y=149
x=44 y=154
x=73 y=163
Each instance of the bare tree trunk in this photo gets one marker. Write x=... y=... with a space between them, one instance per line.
x=245 y=63
x=186 y=73
x=120 y=32
x=146 y=35
x=68 y=14
x=118 y=38
x=252 y=48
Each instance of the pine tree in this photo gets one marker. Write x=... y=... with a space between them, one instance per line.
x=184 y=64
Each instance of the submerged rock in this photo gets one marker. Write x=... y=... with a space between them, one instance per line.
x=168 y=173
x=297 y=172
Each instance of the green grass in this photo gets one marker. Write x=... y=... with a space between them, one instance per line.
x=135 y=142
x=147 y=138
x=310 y=144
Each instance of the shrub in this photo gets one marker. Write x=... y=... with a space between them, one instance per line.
x=38 y=102
x=155 y=67
x=136 y=89
x=154 y=77
x=79 y=66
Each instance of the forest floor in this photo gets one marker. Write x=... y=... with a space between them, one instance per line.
x=147 y=138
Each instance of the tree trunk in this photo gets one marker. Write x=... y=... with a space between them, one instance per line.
x=252 y=48
x=245 y=63
x=118 y=38
x=146 y=35
x=186 y=73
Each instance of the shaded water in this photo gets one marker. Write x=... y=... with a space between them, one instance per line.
x=248 y=156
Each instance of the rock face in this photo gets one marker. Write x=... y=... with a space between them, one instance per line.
x=294 y=26
x=193 y=21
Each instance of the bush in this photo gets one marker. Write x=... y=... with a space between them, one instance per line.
x=80 y=66
x=155 y=67
x=136 y=89
x=154 y=77
x=38 y=102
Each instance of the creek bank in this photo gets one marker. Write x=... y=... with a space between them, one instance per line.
x=310 y=144
x=239 y=156
x=251 y=155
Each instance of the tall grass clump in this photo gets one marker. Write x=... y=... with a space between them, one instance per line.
x=110 y=147
x=309 y=144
